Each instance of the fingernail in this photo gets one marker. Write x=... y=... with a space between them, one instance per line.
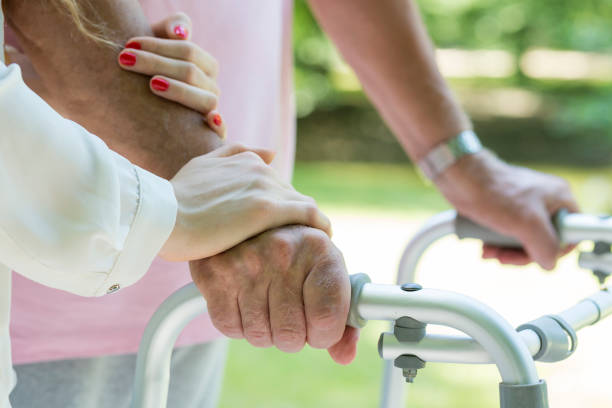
x=133 y=44
x=127 y=58
x=160 y=84
x=180 y=31
x=217 y=120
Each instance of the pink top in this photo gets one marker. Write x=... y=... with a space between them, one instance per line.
x=252 y=41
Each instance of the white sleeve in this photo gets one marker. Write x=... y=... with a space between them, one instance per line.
x=74 y=215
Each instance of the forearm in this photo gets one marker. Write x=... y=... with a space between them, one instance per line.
x=84 y=82
x=391 y=53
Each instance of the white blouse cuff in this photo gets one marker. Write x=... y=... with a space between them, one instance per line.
x=153 y=221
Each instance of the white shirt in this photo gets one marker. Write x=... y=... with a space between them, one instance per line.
x=74 y=215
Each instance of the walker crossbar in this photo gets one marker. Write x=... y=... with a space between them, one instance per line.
x=466 y=350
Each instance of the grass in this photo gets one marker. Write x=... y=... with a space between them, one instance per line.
x=367 y=187
x=270 y=379
x=398 y=187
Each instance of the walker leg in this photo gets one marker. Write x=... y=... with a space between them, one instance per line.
x=392 y=395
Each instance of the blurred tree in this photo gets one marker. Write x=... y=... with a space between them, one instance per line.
x=574 y=109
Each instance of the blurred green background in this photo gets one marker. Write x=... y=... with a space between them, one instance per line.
x=535 y=77
x=529 y=100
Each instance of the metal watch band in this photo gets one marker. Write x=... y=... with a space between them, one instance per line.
x=444 y=155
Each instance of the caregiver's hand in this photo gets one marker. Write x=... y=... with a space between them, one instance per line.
x=512 y=200
x=180 y=70
x=229 y=195
x=283 y=288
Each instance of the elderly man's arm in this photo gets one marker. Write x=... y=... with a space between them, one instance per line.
x=387 y=45
x=84 y=82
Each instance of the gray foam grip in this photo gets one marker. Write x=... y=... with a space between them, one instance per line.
x=466 y=228
x=357 y=282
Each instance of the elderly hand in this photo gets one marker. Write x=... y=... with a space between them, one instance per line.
x=512 y=200
x=230 y=195
x=283 y=288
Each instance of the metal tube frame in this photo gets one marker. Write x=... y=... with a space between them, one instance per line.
x=573 y=228
x=491 y=337
x=376 y=302
x=152 y=377
x=483 y=324
x=439 y=226
x=466 y=350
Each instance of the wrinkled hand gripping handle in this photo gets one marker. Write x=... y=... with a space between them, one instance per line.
x=466 y=228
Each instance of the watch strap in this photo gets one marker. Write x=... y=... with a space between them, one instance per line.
x=446 y=154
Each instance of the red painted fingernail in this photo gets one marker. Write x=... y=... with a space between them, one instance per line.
x=127 y=58
x=180 y=31
x=133 y=44
x=217 y=120
x=160 y=84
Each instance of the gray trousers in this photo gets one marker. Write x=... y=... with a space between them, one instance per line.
x=106 y=382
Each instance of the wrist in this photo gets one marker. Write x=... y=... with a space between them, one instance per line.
x=469 y=179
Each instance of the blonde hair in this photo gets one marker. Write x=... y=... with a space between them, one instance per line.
x=92 y=30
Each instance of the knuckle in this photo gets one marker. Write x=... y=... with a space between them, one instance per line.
x=327 y=318
x=312 y=214
x=530 y=218
x=211 y=102
x=230 y=330
x=189 y=51
x=282 y=252
x=290 y=339
x=315 y=238
x=260 y=183
x=258 y=337
x=191 y=73
x=251 y=263
x=215 y=263
x=222 y=322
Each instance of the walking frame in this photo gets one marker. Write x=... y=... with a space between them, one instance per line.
x=488 y=337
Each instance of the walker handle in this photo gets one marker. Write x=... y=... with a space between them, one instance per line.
x=466 y=228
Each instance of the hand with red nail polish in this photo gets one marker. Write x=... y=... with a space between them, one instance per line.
x=180 y=71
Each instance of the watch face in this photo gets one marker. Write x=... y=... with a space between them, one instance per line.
x=470 y=142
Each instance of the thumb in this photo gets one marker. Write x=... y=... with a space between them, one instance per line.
x=230 y=150
x=540 y=240
x=175 y=27
x=345 y=350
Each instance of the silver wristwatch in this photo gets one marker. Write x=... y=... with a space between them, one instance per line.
x=446 y=154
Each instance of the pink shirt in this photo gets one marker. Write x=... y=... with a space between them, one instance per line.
x=252 y=41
